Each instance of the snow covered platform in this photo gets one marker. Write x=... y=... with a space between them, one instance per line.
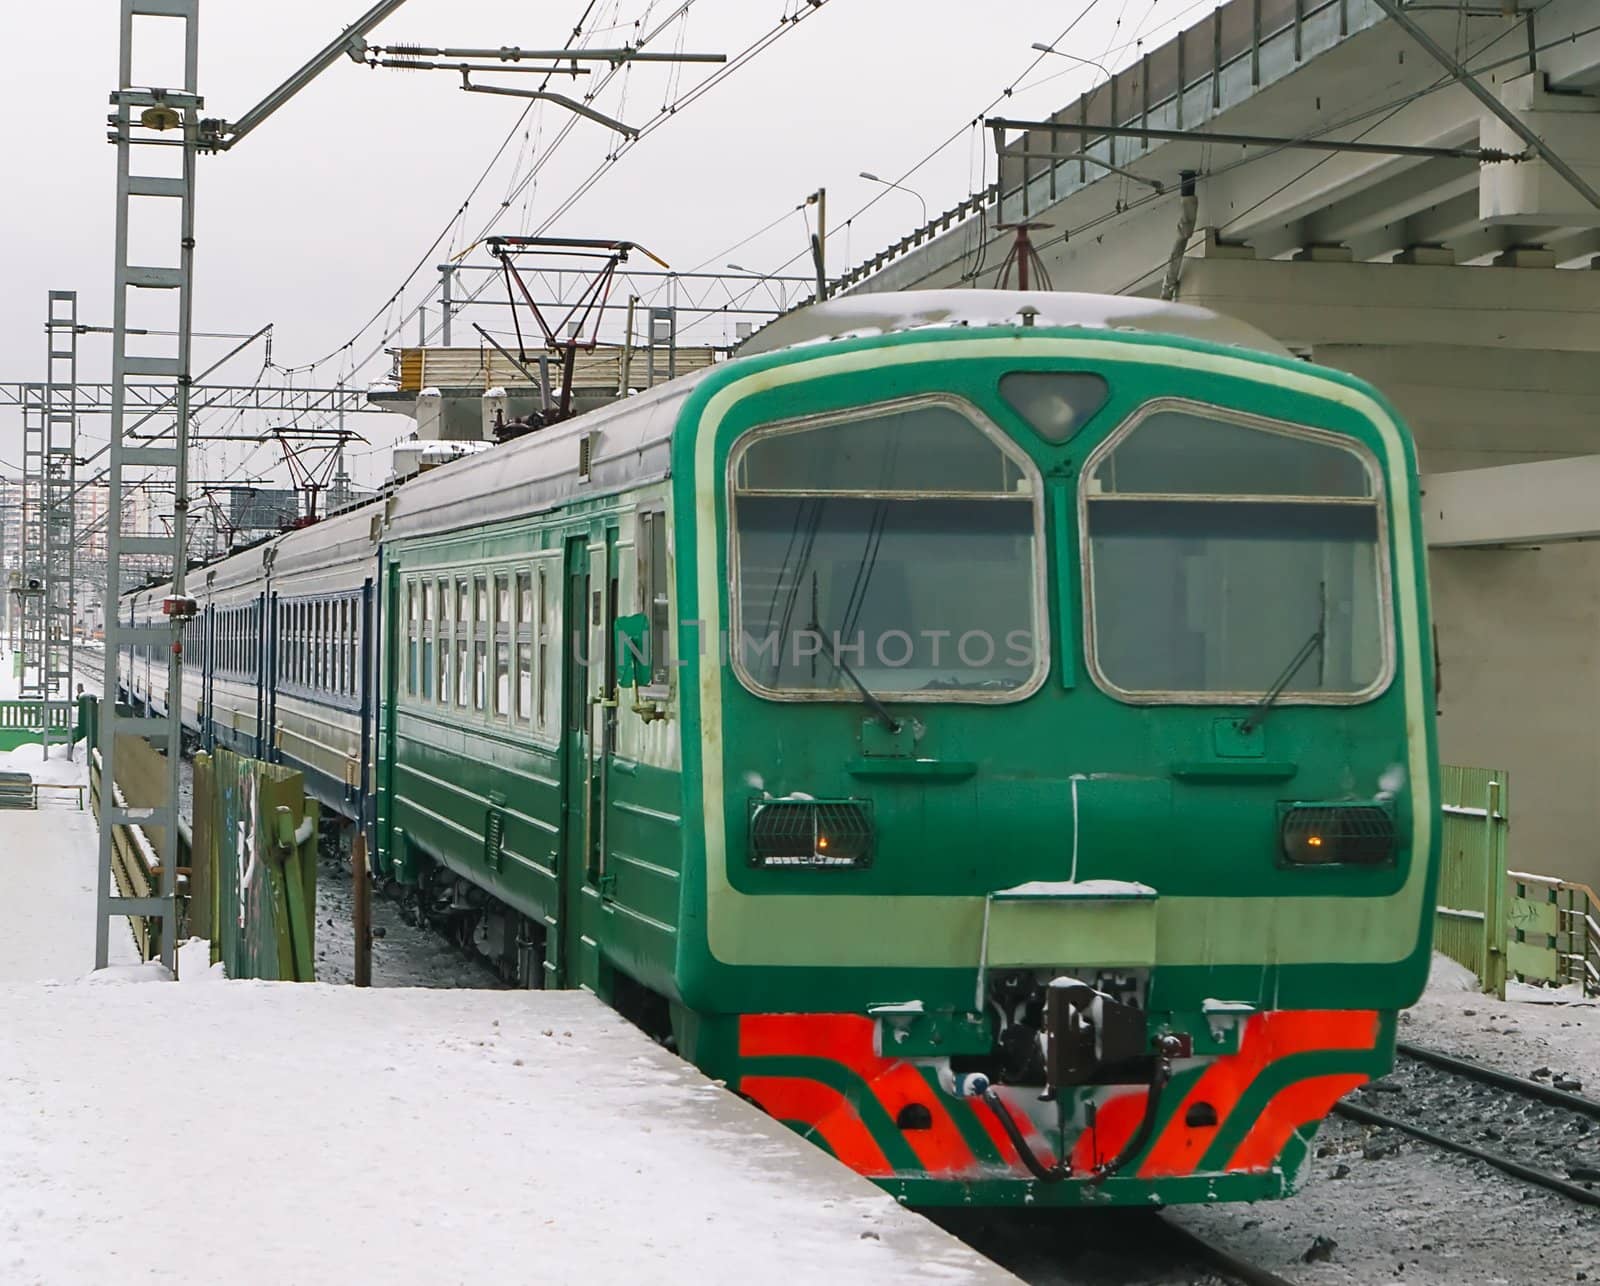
x=307 y=1132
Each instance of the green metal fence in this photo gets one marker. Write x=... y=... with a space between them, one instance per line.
x=24 y=721
x=1470 y=924
x=1555 y=931
x=260 y=866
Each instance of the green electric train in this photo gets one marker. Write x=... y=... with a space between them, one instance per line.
x=991 y=732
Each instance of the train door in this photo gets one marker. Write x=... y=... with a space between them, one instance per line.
x=590 y=609
x=575 y=768
x=267 y=676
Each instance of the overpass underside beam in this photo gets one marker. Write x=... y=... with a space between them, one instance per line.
x=1308 y=303
x=1545 y=502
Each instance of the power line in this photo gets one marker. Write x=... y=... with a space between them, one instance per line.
x=669 y=111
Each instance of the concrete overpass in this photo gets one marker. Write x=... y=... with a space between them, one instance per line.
x=1460 y=283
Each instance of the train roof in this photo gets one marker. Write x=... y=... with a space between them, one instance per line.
x=888 y=312
x=630 y=441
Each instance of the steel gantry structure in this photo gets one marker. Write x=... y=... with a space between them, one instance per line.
x=150 y=371
x=148 y=123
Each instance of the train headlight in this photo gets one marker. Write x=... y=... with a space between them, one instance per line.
x=811 y=832
x=1357 y=834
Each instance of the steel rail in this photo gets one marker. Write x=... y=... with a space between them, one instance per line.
x=1367 y=1116
x=1224 y=1260
x=1489 y=1076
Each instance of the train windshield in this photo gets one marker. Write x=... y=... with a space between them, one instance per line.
x=897 y=547
x=1229 y=556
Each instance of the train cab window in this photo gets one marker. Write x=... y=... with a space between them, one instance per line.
x=1228 y=555
x=500 y=683
x=1055 y=403
x=851 y=532
x=653 y=597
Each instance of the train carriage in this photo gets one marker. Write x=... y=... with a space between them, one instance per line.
x=993 y=736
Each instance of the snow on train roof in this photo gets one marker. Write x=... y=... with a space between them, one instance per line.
x=891 y=311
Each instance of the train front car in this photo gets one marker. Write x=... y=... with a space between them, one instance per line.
x=1064 y=757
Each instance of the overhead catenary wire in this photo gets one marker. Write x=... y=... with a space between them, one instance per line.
x=734 y=63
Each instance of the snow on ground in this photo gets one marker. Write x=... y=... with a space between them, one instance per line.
x=48 y=867
x=1534 y=1028
x=62 y=767
x=328 y=1133
x=324 y=1133
x=1400 y=1210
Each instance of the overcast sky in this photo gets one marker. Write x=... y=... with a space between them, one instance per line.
x=314 y=222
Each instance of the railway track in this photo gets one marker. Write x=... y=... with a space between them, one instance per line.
x=1522 y=1127
x=1118 y=1247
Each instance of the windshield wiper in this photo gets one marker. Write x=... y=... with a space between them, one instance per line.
x=877 y=707
x=1258 y=716
x=839 y=663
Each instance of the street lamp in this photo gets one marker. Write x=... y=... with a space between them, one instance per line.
x=873 y=178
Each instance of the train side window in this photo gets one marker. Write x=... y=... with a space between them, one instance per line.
x=653 y=593
x=425 y=630
x=524 y=645
x=443 y=689
x=463 y=636
x=480 y=642
x=501 y=684
x=542 y=638
x=342 y=618
x=353 y=646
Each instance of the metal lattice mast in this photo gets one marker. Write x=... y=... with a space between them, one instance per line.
x=30 y=583
x=143 y=127
x=60 y=487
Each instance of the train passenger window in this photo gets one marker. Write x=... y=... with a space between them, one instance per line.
x=501 y=684
x=463 y=638
x=1227 y=555
x=411 y=638
x=352 y=644
x=443 y=690
x=851 y=531
x=544 y=678
x=480 y=642
x=1055 y=403
x=523 y=644
x=425 y=640
x=653 y=598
